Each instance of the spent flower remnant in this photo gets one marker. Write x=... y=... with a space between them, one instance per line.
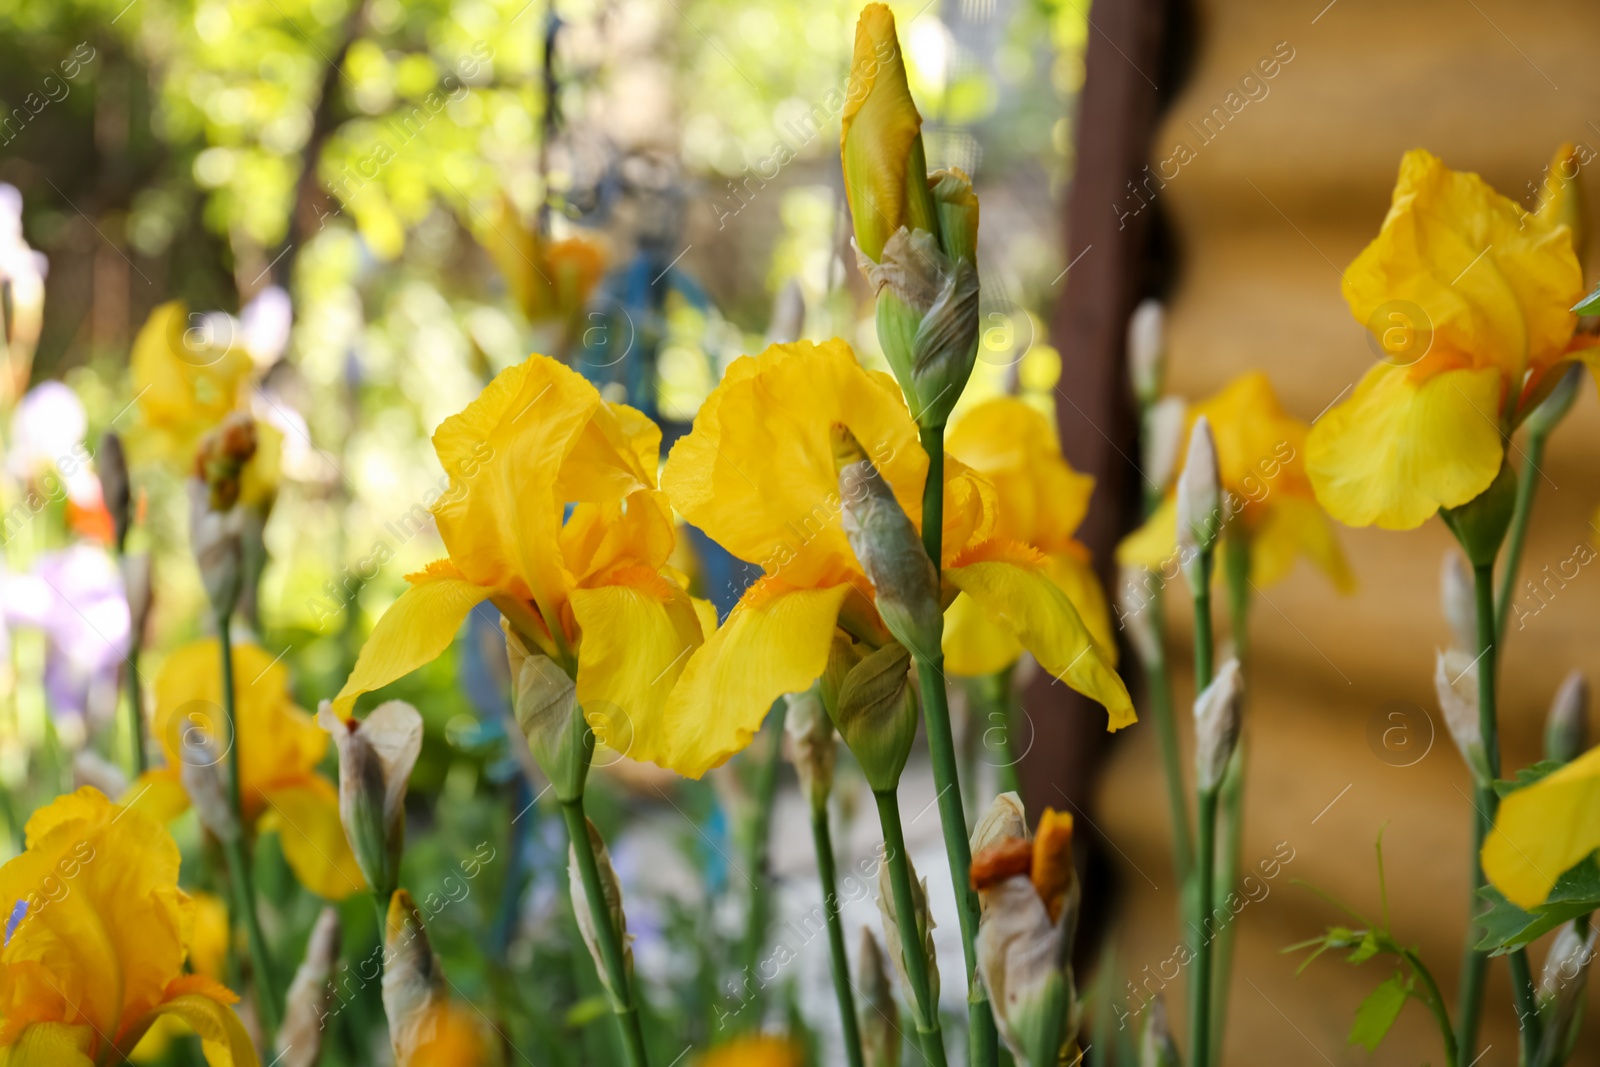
x=97 y=956
x=757 y=473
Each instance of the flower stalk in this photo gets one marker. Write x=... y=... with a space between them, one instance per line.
x=913 y=952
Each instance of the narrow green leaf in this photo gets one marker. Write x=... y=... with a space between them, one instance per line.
x=1379 y=1011
x=1589 y=305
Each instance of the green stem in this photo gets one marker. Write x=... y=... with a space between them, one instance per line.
x=1204 y=642
x=141 y=761
x=756 y=859
x=1527 y=482
x=982 y=1036
x=1236 y=576
x=618 y=980
x=1435 y=1002
x=828 y=876
x=1200 y=988
x=1159 y=683
x=244 y=901
x=230 y=709
x=929 y=1033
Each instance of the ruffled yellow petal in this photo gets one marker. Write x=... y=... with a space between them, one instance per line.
x=159 y=794
x=775 y=641
x=1260 y=446
x=1289 y=527
x=1042 y=500
x=637 y=637
x=631 y=533
x=415 y=630
x=50 y=1045
x=1494 y=283
x=1014 y=588
x=222 y=1036
x=1155 y=543
x=1399 y=449
x=184 y=389
x=1544 y=830
x=757 y=474
x=306 y=817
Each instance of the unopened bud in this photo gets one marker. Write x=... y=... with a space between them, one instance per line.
x=305 y=1011
x=1566 y=729
x=1006 y=820
x=1570 y=953
x=1455 y=681
x=413 y=980
x=788 y=315
x=880 y=1012
x=1480 y=524
x=612 y=888
x=927 y=321
x=1163 y=438
x=1562 y=986
x=1554 y=407
x=1024 y=961
x=1147 y=350
x=875 y=710
x=221 y=458
x=376 y=755
x=201 y=771
x=1199 y=497
x=1459 y=602
x=889 y=549
x=892 y=922
x=216 y=540
x=812 y=747
x=1136 y=587
x=137 y=588
x=1157 y=1049
x=545 y=699
x=1216 y=714
x=112 y=465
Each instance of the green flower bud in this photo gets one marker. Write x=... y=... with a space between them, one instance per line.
x=1199 y=495
x=875 y=709
x=1481 y=523
x=376 y=756
x=1147 y=351
x=1157 y=1049
x=889 y=549
x=216 y=538
x=812 y=748
x=1216 y=716
x=545 y=700
x=1549 y=412
x=1566 y=730
x=927 y=321
x=112 y=465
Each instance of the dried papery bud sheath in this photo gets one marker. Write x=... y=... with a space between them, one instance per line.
x=1459 y=602
x=1455 y=681
x=376 y=756
x=612 y=888
x=1023 y=959
x=892 y=921
x=881 y=1038
x=1216 y=715
x=788 y=314
x=812 y=746
x=413 y=979
x=1199 y=495
x=875 y=711
x=1005 y=820
x=137 y=586
x=1147 y=350
x=201 y=769
x=1480 y=524
x=299 y=1041
x=1137 y=587
x=889 y=549
x=1156 y=1047
x=1566 y=728
x=215 y=537
x=112 y=465
x=545 y=700
x=1162 y=439
x=1562 y=987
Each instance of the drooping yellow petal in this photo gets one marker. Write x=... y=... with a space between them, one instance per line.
x=775 y=641
x=1543 y=830
x=1154 y=544
x=880 y=139
x=637 y=637
x=757 y=471
x=1292 y=526
x=222 y=1036
x=306 y=817
x=416 y=629
x=1072 y=574
x=1012 y=585
x=1260 y=446
x=1494 y=284
x=1399 y=449
x=50 y=1045
x=1042 y=499
x=975 y=645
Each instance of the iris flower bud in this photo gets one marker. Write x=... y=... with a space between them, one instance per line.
x=869 y=696
x=812 y=748
x=1157 y=1048
x=112 y=465
x=1561 y=197
x=1199 y=497
x=1481 y=523
x=1455 y=680
x=376 y=755
x=413 y=980
x=299 y=1041
x=546 y=704
x=586 y=919
x=1147 y=350
x=1566 y=730
x=216 y=538
x=891 y=930
x=1216 y=714
x=1163 y=435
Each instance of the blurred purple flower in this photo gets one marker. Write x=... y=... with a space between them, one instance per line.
x=75 y=597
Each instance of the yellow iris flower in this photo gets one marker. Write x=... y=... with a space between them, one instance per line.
x=548 y=279
x=594 y=592
x=280 y=749
x=185 y=389
x=757 y=475
x=97 y=957
x=760 y=1051
x=1040 y=502
x=1469 y=296
x=1261 y=452
x=1544 y=830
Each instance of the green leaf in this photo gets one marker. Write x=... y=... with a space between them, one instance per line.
x=1589 y=305
x=1368 y=948
x=1507 y=927
x=1379 y=1011
x=1504 y=787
